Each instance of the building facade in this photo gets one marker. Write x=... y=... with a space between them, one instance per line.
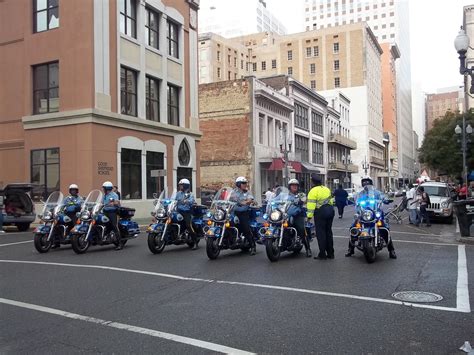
x=243 y=122
x=438 y=104
x=468 y=25
x=232 y=20
x=107 y=90
x=389 y=20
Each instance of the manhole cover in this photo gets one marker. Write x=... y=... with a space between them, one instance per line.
x=417 y=296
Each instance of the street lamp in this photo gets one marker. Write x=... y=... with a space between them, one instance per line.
x=346 y=160
x=465 y=132
x=365 y=165
x=285 y=148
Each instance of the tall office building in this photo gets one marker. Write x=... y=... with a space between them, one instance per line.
x=232 y=19
x=389 y=20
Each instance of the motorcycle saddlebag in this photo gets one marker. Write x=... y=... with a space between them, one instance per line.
x=199 y=210
x=126 y=212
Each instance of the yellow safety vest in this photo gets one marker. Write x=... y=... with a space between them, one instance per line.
x=318 y=196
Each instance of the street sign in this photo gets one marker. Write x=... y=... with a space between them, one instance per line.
x=346 y=179
x=158 y=173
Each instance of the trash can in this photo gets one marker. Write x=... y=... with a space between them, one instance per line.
x=464 y=212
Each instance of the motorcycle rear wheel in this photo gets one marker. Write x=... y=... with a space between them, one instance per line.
x=212 y=248
x=155 y=243
x=42 y=244
x=79 y=243
x=272 y=249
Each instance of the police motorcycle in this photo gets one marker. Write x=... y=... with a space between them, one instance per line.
x=168 y=226
x=94 y=228
x=222 y=230
x=278 y=233
x=370 y=232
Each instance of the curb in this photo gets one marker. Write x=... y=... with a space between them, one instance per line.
x=466 y=240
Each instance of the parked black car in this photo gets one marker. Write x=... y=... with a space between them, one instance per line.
x=19 y=209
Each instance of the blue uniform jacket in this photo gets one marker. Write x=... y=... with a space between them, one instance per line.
x=185 y=201
x=239 y=196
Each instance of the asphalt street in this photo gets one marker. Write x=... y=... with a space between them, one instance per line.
x=132 y=301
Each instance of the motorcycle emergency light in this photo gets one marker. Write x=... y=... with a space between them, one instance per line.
x=266 y=224
x=78 y=221
x=209 y=223
x=285 y=224
x=358 y=225
x=227 y=224
x=379 y=224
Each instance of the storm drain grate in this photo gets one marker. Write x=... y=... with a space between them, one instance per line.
x=417 y=296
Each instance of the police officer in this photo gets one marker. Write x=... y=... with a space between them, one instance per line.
x=320 y=205
x=369 y=192
x=72 y=204
x=244 y=199
x=111 y=204
x=297 y=214
x=185 y=203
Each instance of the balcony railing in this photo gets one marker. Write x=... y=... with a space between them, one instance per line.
x=339 y=166
x=344 y=141
x=377 y=161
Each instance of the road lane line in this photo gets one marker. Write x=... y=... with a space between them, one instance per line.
x=8 y=244
x=400 y=232
x=130 y=328
x=462 y=299
x=281 y=288
x=407 y=241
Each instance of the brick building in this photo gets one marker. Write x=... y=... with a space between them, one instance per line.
x=438 y=104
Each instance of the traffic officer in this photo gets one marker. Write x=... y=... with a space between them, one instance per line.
x=72 y=204
x=320 y=205
x=297 y=213
x=111 y=204
x=244 y=199
x=185 y=203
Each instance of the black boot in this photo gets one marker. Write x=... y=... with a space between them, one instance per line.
x=392 y=254
x=309 y=254
x=195 y=245
x=119 y=246
x=350 y=252
x=253 y=250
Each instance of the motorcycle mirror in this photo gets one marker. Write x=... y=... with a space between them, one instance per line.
x=155 y=195
x=155 y=203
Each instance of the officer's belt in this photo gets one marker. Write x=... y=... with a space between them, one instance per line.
x=319 y=203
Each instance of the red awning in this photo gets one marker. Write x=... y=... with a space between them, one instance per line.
x=279 y=164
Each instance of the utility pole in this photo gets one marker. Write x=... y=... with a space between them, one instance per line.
x=285 y=148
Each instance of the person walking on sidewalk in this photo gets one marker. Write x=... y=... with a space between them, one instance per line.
x=424 y=203
x=340 y=195
x=413 y=205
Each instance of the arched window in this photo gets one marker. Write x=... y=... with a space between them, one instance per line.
x=184 y=155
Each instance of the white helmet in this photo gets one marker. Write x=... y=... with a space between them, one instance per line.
x=293 y=182
x=241 y=180
x=73 y=187
x=108 y=185
x=184 y=182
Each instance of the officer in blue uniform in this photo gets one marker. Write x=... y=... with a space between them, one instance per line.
x=111 y=204
x=71 y=205
x=244 y=199
x=185 y=204
x=298 y=214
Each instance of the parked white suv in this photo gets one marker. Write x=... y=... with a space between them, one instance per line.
x=441 y=200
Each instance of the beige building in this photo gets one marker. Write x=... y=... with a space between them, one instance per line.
x=438 y=104
x=102 y=90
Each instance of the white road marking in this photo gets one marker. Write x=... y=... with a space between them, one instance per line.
x=281 y=288
x=462 y=300
x=400 y=232
x=8 y=244
x=407 y=241
x=130 y=328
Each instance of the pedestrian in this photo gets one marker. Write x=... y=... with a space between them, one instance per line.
x=320 y=206
x=424 y=203
x=268 y=195
x=413 y=205
x=340 y=195
x=1 y=215
x=117 y=192
x=463 y=192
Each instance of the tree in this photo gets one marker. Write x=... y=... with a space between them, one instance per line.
x=441 y=148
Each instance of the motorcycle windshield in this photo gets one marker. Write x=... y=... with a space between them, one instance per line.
x=369 y=198
x=279 y=200
x=93 y=201
x=54 y=200
x=222 y=198
x=166 y=200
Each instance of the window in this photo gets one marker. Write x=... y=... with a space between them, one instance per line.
x=131 y=174
x=384 y=37
x=312 y=68
x=336 y=47
x=184 y=153
x=392 y=35
x=218 y=56
x=384 y=26
x=173 y=105
x=254 y=66
x=228 y=75
x=290 y=70
x=45 y=15
x=228 y=58
x=336 y=65
x=264 y=65
x=274 y=63
x=337 y=82
x=392 y=25
x=376 y=28
x=173 y=39
x=235 y=62
x=317 y=123
x=301 y=116
x=308 y=51
x=152 y=28
x=261 y=127
x=154 y=184
x=290 y=55
x=46 y=88
x=302 y=147
x=316 y=51
x=128 y=17
x=152 y=99
x=318 y=152
x=219 y=73
x=128 y=91
x=44 y=170
x=313 y=84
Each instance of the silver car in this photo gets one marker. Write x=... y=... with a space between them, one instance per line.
x=441 y=200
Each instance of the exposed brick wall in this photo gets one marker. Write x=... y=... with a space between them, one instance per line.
x=225 y=119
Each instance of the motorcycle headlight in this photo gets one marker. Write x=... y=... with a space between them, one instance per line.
x=444 y=204
x=378 y=214
x=367 y=215
x=219 y=215
x=275 y=216
x=47 y=216
x=161 y=213
x=85 y=215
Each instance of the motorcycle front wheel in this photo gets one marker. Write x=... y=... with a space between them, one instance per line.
x=212 y=248
x=369 y=252
x=42 y=244
x=272 y=249
x=79 y=243
x=155 y=243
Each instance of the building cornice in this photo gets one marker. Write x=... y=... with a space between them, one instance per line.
x=302 y=87
x=268 y=96
x=106 y=118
